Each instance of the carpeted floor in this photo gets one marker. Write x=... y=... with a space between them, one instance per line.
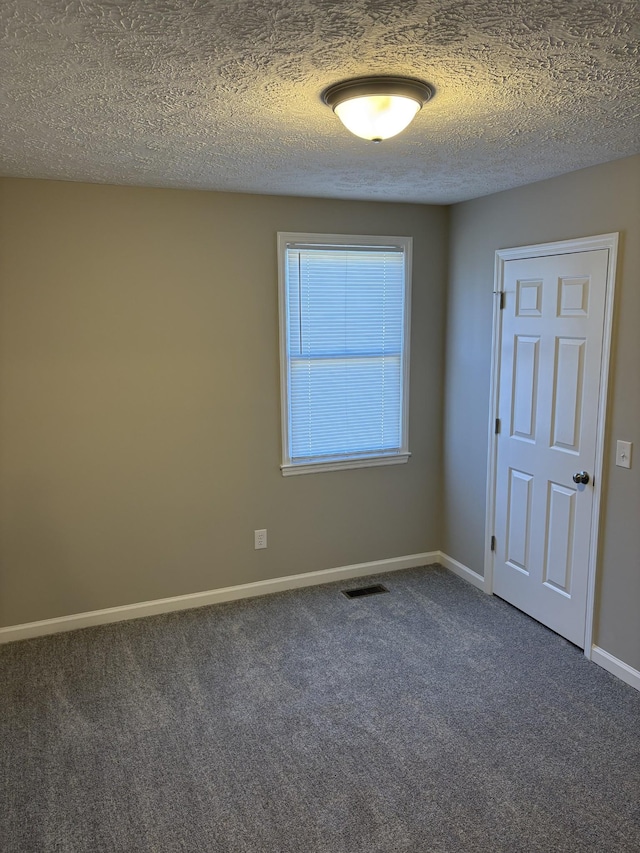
x=433 y=718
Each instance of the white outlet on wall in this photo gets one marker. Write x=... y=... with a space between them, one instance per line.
x=260 y=539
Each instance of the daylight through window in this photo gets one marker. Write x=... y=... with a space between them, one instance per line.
x=344 y=309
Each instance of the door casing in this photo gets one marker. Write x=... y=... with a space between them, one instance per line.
x=583 y=244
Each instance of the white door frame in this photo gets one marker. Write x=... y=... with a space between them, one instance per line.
x=584 y=244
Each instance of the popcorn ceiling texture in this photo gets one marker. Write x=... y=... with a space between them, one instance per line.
x=226 y=95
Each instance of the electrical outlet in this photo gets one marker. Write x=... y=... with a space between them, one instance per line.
x=260 y=539
x=623 y=454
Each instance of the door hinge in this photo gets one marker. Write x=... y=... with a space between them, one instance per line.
x=497 y=426
x=502 y=299
x=493 y=543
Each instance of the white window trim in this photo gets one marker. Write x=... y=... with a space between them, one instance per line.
x=288 y=467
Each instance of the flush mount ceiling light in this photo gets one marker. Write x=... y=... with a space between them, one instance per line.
x=377 y=108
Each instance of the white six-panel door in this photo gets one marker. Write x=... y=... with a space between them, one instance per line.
x=548 y=393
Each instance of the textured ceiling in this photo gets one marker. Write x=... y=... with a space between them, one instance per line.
x=226 y=95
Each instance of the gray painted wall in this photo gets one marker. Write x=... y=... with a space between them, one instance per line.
x=592 y=201
x=139 y=398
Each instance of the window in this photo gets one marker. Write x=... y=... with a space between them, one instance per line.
x=344 y=341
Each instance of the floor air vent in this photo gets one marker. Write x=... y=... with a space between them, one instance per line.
x=365 y=590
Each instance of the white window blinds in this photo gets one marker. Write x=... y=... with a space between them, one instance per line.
x=345 y=328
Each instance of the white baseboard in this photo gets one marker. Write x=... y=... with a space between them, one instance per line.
x=461 y=570
x=616 y=666
x=29 y=630
x=214 y=596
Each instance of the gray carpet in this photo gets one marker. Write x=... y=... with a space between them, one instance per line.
x=433 y=718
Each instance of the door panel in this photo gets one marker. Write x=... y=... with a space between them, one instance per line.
x=561 y=509
x=567 y=394
x=525 y=391
x=550 y=363
x=517 y=549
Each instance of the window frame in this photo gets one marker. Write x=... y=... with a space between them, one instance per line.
x=337 y=463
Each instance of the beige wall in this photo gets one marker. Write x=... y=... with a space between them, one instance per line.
x=592 y=201
x=139 y=398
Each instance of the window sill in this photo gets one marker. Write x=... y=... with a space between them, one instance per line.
x=342 y=464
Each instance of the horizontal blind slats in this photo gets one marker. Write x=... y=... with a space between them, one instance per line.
x=345 y=323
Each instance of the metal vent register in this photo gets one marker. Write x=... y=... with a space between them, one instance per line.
x=376 y=589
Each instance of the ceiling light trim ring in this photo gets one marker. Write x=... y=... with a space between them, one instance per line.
x=406 y=87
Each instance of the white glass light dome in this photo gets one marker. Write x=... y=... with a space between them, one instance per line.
x=377 y=108
x=377 y=117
